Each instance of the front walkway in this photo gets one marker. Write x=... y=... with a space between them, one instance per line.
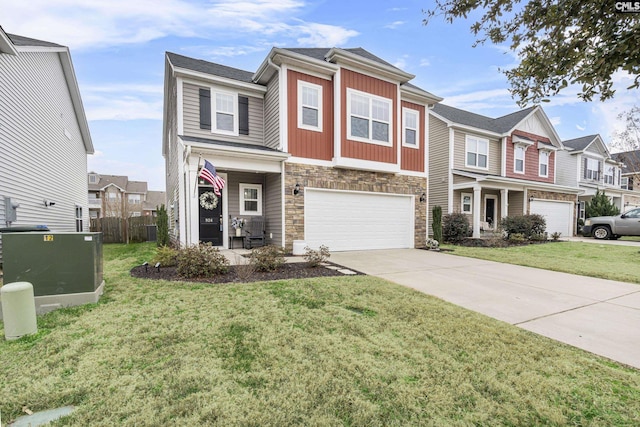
x=600 y=316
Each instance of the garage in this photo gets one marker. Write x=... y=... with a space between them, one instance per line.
x=349 y=220
x=559 y=215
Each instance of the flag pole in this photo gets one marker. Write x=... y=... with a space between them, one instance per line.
x=195 y=187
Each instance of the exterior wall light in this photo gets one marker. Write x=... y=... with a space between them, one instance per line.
x=296 y=189
x=423 y=197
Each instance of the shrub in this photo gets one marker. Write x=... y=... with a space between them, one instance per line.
x=455 y=228
x=162 y=222
x=201 y=260
x=244 y=270
x=166 y=256
x=267 y=258
x=531 y=227
x=517 y=238
x=315 y=258
x=555 y=236
x=436 y=225
x=600 y=205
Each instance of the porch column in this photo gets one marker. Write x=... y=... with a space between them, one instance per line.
x=504 y=203
x=476 y=211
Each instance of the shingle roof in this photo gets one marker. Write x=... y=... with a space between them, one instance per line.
x=500 y=125
x=579 y=144
x=320 y=53
x=154 y=199
x=26 y=41
x=210 y=68
x=228 y=143
x=105 y=180
x=136 y=187
x=631 y=160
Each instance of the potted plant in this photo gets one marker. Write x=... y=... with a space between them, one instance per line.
x=237 y=224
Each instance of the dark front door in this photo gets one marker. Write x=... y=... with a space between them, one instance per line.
x=490 y=212
x=210 y=208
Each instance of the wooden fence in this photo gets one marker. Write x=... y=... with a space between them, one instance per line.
x=119 y=230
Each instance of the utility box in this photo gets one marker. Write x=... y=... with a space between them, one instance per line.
x=65 y=269
x=18 y=310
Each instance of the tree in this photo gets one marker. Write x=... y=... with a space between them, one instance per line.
x=629 y=138
x=436 y=225
x=162 y=222
x=559 y=43
x=600 y=205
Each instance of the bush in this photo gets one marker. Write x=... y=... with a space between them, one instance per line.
x=267 y=258
x=315 y=258
x=455 y=228
x=556 y=236
x=201 y=260
x=531 y=227
x=166 y=256
x=436 y=225
x=162 y=222
x=600 y=205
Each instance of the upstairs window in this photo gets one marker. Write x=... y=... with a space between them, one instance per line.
x=626 y=183
x=134 y=199
x=410 y=128
x=93 y=178
x=609 y=175
x=544 y=164
x=309 y=106
x=369 y=118
x=224 y=118
x=518 y=156
x=592 y=169
x=477 y=153
x=224 y=112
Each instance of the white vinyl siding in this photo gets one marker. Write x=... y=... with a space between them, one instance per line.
x=369 y=118
x=410 y=128
x=477 y=152
x=309 y=106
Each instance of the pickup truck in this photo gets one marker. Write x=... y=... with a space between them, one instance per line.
x=612 y=227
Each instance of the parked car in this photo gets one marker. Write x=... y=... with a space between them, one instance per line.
x=612 y=227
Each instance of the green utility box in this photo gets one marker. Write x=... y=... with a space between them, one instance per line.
x=64 y=268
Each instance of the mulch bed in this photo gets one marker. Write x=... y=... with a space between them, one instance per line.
x=298 y=270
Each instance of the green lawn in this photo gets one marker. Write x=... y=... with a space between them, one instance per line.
x=348 y=351
x=587 y=259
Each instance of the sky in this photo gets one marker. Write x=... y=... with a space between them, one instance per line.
x=118 y=47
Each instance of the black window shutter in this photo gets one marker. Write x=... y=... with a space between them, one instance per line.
x=243 y=115
x=205 y=109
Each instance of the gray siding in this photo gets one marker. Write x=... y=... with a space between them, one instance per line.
x=38 y=160
x=272 y=114
x=191 y=104
x=438 y=168
x=172 y=159
x=273 y=208
x=233 y=190
x=566 y=169
x=495 y=154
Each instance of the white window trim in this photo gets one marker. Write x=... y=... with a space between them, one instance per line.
x=595 y=171
x=547 y=156
x=214 y=122
x=318 y=88
x=369 y=140
x=624 y=182
x=515 y=158
x=406 y=111
x=612 y=175
x=242 y=200
x=462 y=195
x=93 y=179
x=466 y=151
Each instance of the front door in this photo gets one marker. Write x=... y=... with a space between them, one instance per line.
x=490 y=211
x=210 y=207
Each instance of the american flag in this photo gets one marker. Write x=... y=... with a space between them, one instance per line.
x=208 y=173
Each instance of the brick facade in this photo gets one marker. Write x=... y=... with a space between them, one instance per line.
x=352 y=180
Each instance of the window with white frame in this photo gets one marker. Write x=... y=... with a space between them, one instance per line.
x=477 y=152
x=225 y=111
x=369 y=118
x=410 y=127
x=466 y=203
x=581 y=210
x=624 y=183
x=309 y=106
x=250 y=199
x=134 y=199
x=113 y=195
x=93 y=178
x=592 y=169
x=609 y=175
x=518 y=159
x=543 y=170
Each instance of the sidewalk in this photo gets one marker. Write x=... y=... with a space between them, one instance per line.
x=603 y=242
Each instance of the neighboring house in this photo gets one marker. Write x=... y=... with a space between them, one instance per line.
x=630 y=176
x=588 y=165
x=116 y=196
x=492 y=168
x=328 y=146
x=44 y=137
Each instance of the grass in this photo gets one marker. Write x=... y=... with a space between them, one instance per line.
x=605 y=261
x=347 y=351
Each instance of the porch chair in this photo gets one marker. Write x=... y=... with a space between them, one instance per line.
x=254 y=232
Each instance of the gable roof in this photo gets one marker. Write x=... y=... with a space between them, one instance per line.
x=500 y=125
x=630 y=159
x=154 y=199
x=580 y=144
x=207 y=67
x=321 y=54
x=26 y=41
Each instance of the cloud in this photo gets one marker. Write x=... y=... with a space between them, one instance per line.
x=395 y=25
x=122 y=102
x=397 y=9
x=581 y=128
x=401 y=62
x=424 y=62
x=556 y=120
x=313 y=34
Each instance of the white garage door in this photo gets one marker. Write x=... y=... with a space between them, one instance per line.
x=347 y=221
x=559 y=215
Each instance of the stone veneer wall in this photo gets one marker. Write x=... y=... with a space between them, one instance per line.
x=347 y=179
x=632 y=200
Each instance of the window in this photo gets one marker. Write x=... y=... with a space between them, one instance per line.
x=466 y=202
x=592 y=167
x=225 y=111
x=624 y=183
x=518 y=155
x=609 y=175
x=582 y=212
x=136 y=214
x=134 y=199
x=544 y=163
x=410 y=128
x=93 y=178
x=477 y=152
x=250 y=199
x=309 y=106
x=113 y=195
x=369 y=118
x=79 y=218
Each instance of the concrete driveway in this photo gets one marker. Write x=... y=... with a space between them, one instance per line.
x=600 y=316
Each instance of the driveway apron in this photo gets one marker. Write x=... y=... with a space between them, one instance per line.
x=597 y=315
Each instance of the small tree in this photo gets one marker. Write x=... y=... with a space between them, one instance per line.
x=600 y=205
x=436 y=225
x=162 y=222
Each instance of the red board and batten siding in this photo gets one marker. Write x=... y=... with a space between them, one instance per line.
x=307 y=143
x=413 y=159
x=531 y=159
x=363 y=150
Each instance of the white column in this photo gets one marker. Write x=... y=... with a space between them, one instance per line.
x=476 y=211
x=504 y=203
